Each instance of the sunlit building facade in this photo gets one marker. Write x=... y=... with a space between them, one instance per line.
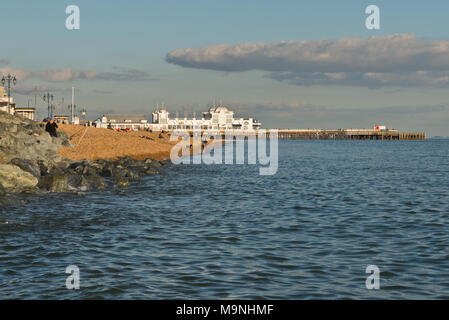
x=215 y=119
x=4 y=101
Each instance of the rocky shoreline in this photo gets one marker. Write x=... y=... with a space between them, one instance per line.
x=29 y=162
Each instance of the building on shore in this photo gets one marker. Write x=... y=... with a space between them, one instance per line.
x=61 y=119
x=217 y=118
x=4 y=101
x=123 y=121
x=29 y=113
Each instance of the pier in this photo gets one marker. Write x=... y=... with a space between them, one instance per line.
x=323 y=134
x=349 y=134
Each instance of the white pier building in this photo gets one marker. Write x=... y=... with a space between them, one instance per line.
x=4 y=101
x=217 y=118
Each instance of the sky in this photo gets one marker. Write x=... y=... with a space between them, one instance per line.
x=290 y=64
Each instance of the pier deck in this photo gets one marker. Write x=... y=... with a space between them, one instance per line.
x=326 y=134
x=350 y=134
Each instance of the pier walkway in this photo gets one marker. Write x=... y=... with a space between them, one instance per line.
x=350 y=134
x=325 y=134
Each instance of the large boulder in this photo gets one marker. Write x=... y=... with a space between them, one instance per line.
x=26 y=139
x=14 y=179
x=3 y=157
x=2 y=190
x=28 y=166
x=71 y=182
x=55 y=183
x=93 y=183
x=29 y=160
x=128 y=162
x=86 y=183
x=122 y=182
x=124 y=173
x=157 y=164
x=150 y=171
x=107 y=171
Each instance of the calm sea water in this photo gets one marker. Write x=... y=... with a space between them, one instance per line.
x=224 y=232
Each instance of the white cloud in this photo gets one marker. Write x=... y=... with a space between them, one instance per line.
x=18 y=73
x=69 y=74
x=301 y=114
x=63 y=75
x=397 y=59
x=367 y=79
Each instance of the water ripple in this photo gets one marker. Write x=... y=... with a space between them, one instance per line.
x=224 y=232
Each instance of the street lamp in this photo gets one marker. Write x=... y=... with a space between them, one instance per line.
x=83 y=113
x=49 y=98
x=72 y=108
x=8 y=79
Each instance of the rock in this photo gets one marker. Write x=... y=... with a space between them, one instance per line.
x=151 y=171
x=93 y=183
x=3 y=158
x=29 y=160
x=103 y=162
x=119 y=172
x=86 y=183
x=137 y=169
x=90 y=171
x=122 y=182
x=64 y=163
x=106 y=172
x=86 y=167
x=128 y=161
x=75 y=182
x=165 y=162
x=157 y=164
x=14 y=179
x=28 y=166
x=54 y=183
x=83 y=167
x=25 y=139
x=56 y=171
x=77 y=167
x=98 y=165
x=43 y=167
x=63 y=136
x=62 y=139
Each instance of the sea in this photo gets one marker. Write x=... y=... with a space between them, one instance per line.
x=336 y=218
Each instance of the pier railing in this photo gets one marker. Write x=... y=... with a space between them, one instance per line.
x=350 y=134
x=325 y=134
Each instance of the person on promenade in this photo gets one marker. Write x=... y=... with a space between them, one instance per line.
x=50 y=127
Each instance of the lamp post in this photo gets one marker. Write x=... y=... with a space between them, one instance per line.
x=49 y=98
x=8 y=79
x=72 y=108
x=83 y=113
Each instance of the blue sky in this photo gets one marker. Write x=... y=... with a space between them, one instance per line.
x=126 y=43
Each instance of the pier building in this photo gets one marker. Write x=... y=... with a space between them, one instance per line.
x=29 y=113
x=4 y=101
x=217 y=118
x=124 y=121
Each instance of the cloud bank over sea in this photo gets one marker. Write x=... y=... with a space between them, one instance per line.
x=70 y=74
x=391 y=60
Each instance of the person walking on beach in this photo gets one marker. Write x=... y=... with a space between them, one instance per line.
x=50 y=127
